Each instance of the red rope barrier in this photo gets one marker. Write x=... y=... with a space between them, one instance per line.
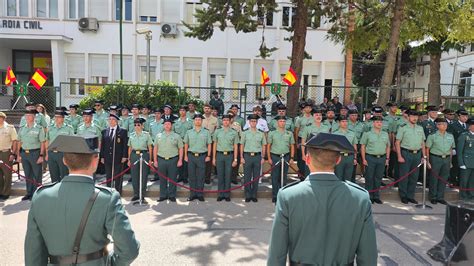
x=27 y=179
x=115 y=177
x=296 y=171
x=450 y=185
x=255 y=179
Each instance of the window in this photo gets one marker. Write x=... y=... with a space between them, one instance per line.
x=127 y=67
x=217 y=81
x=47 y=8
x=99 y=80
x=98 y=68
x=192 y=78
x=143 y=74
x=148 y=10
x=170 y=69
x=75 y=72
x=126 y=12
x=267 y=19
x=171 y=76
x=237 y=86
x=76 y=86
x=76 y=9
x=289 y=13
x=191 y=11
x=17 y=8
x=99 y=9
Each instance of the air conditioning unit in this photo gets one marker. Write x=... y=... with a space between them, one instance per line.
x=169 y=30
x=88 y=24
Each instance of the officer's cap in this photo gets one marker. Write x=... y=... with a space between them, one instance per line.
x=75 y=106
x=353 y=111
x=342 y=118
x=470 y=121
x=226 y=116
x=113 y=108
x=431 y=108
x=448 y=112
x=281 y=107
x=330 y=142
x=136 y=105
x=304 y=104
x=60 y=113
x=261 y=98
x=462 y=112
x=124 y=107
x=366 y=111
x=199 y=116
x=441 y=120
x=257 y=107
x=61 y=108
x=280 y=117
x=422 y=113
x=234 y=105
x=88 y=112
x=75 y=144
x=344 y=107
x=159 y=110
x=390 y=104
x=31 y=112
x=114 y=116
x=214 y=92
x=29 y=104
x=168 y=106
x=403 y=108
x=169 y=120
x=253 y=117
x=148 y=106
x=316 y=110
x=412 y=112
x=183 y=107
x=377 y=109
x=99 y=101
x=139 y=120
x=331 y=108
x=376 y=118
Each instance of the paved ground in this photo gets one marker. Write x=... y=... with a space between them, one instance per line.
x=235 y=233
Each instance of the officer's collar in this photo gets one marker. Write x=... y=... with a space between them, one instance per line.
x=324 y=176
x=78 y=178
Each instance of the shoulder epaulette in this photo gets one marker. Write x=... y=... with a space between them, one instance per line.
x=45 y=186
x=104 y=189
x=354 y=185
x=292 y=184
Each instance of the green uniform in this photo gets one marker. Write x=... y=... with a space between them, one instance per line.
x=429 y=127
x=441 y=146
x=91 y=130
x=281 y=142
x=73 y=121
x=323 y=221
x=456 y=129
x=139 y=142
x=411 y=139
x=198 y=142
x=465 y=154
x=57 y=169
x=252 y=141
x=385 y=126
x=390 y=118
x=155 y=127
x=332 y=125
x=131 y=124
x=190 y=115
x=168 y=145
x=31 y=139
x=375 y=154
x=124 y=123
x=308 y=131
x=225 y=138
x=40 y=120
x=100 y=119
x=289 y=125
x=301 y=122
x=240 y=120
x=181 y=126
x=357 y=128
x=345 y=168
x=55 y=214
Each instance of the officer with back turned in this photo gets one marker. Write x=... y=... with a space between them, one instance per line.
x=323 y=220
x=69 y=221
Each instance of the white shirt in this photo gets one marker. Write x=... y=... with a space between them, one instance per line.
x=325 y=173
x=262 y=125
x=114 y=131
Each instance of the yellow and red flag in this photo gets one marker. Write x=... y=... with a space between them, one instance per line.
x=10 y=78
x=38 y=79
x=290 y=77
x=264 y=78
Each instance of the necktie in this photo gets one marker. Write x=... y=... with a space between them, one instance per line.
x=111 y=133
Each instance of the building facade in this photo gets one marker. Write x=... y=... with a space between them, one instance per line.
x=45 y=34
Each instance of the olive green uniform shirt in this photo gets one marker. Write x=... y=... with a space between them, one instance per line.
x=357 y=128
x=273 y=125
x=91 y=130
x=313 y=129
x=140 y=141
x=181 y=126
x=253 y=140
x=73 y=121
x=302 y=122
x=333 y=126
x=168 y=144
x=31 y=137
x=350 y=136
x=155 y=127
x=280 y=141
x=440 y=144
x=226 y=139
x=411 y=137
x=198 y=140
x=40 y=120
x=54 y=132
x=375 y=143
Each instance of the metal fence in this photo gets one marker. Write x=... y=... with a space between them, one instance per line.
x=15 y=97
x=229 y=96
x=457 y=90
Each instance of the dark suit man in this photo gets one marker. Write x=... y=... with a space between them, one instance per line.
x=456 y=128
x=114 y=151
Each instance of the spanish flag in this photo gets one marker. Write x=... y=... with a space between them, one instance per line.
x=10 y=78
x=264 y=77
x=290 y=77
x=38 y=79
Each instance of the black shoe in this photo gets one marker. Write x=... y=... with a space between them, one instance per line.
x=434 y=202
x=208 y=182
x=191 y=198
x=219 y=198
x=200 y=198
x=162 y=199
x=372 y=201
x=274 y=200
x=227 y=199
x=2 y=197
x=255 y=200
x=405 y=201
x=172 y=199
x=185 y=181
x=130 y=180
x=442 y=201
x=378 y=201
x=135 y=198
x=235 y=182
x=247 y=199
x=154 y=179
x=179 y=180
x=5 y=197
x=26 y=197
x=413 y=201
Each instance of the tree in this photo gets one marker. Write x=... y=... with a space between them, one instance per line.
x=247 y=15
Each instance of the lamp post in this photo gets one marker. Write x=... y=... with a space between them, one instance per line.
x=148 y=36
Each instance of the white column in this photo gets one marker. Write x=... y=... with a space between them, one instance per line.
x=86 y=67
x=251 y=89
x=111 y=5
x=181 y=72
x=61 y=10
x=181 y=10
x=228 y=71
x=322 y=72
x=86 y=8
x=111 y=69
x=59 y=68
x=158 y=68
x=204 y=72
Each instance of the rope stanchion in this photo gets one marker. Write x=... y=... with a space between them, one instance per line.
x=27 y=179
x=255 y=179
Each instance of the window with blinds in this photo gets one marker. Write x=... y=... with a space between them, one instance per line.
x=99 y=9
x=98 y=68
x=148 y=10
x=171 y=11
x=127 y=67
x=170 y=69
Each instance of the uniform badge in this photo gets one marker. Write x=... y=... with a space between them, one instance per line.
x=118 y=140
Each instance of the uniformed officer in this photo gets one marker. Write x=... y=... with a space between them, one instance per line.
x=39 y=118
x=323 y=220
x=237 y=118
x=410 y=142
x=135 y=115
x=392 y=113
x=301 y=122
x=225 y=142
x=330 y=120
x=168 y=157
x=393 y=166
x=139 y=144
x=124 y=118
x=85 y=215
x=358 y=128
x=449 y=115
x=375 y=152
x=439 y=147
x=465 y=148
x=8 y=151
x=345 y=168
x=281 y=111
x=88 y=127
x=191 y=110
x=217 y=103
x=367 y=115
x=156 y=125
x=100 y=115
x=57 y=169
x=378 y=111
x=31 y=139
x=210 y=123
x=281 y=144
x=145 y=113
x=315 y=128
x=457 y=127
x=73 y=119
x=181 y=125
x=429 y=125
x=262 y=124
x=197 y=152
x=252 y=150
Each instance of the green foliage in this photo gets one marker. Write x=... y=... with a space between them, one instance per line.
x=157 y=95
